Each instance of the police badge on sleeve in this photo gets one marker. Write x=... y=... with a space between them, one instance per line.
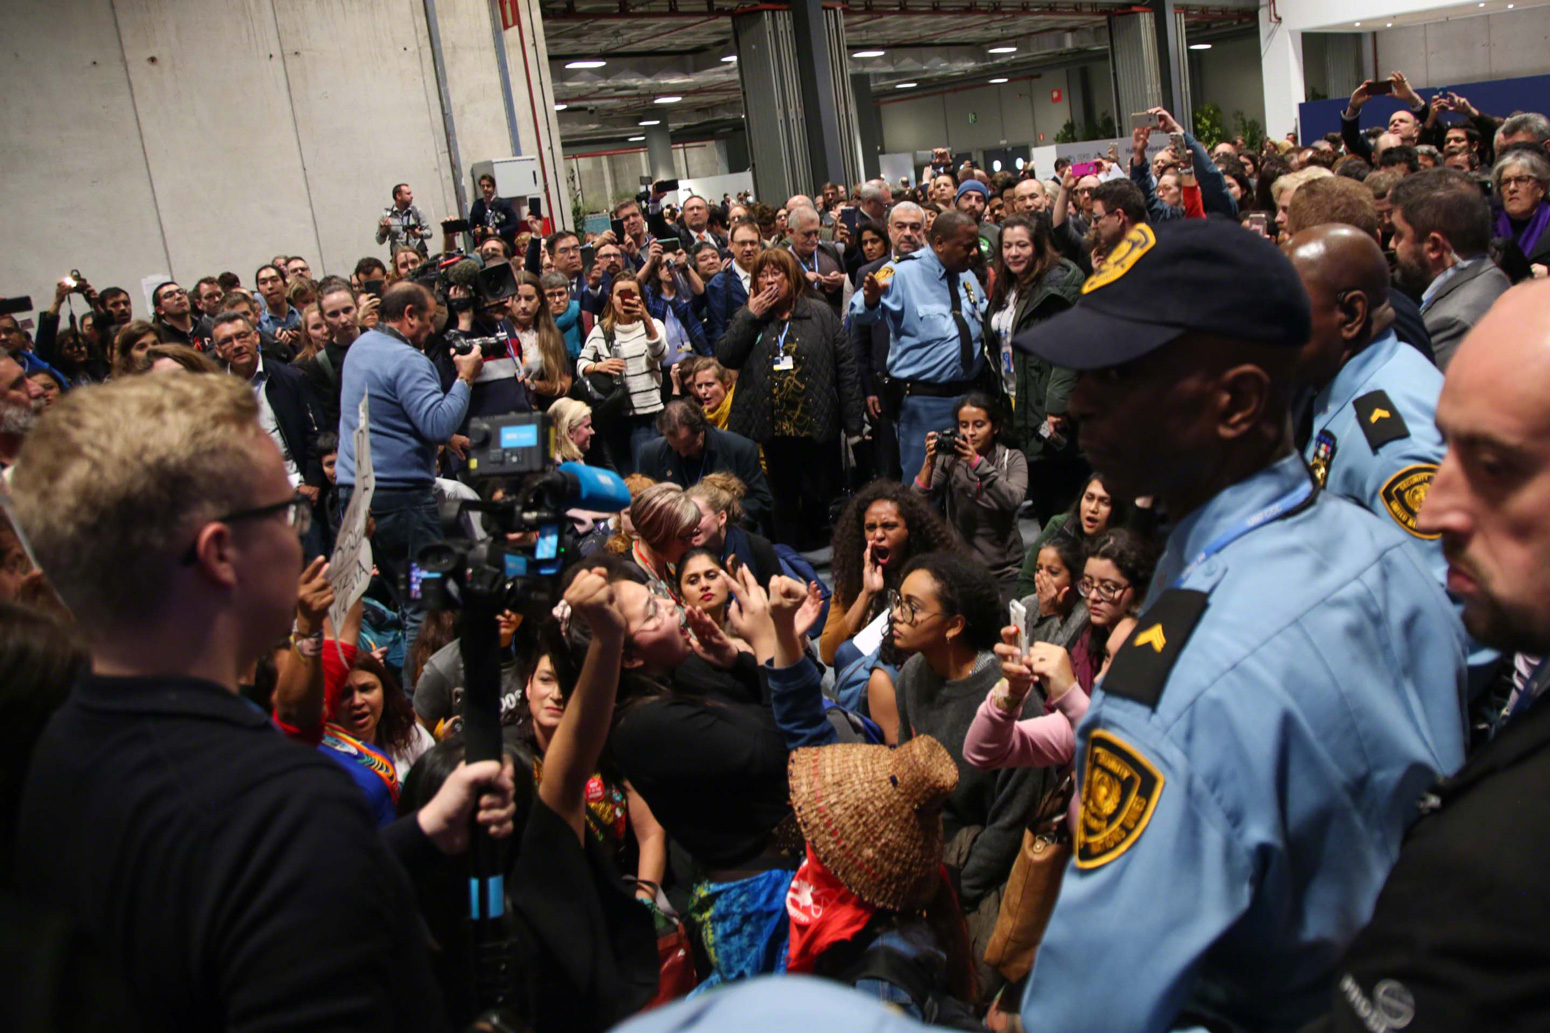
x=1119 y=793
x=1405 y=494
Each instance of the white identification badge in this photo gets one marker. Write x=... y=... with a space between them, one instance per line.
x=784 y=363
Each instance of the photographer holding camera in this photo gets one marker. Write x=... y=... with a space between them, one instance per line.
x=982 y=482
x=410 y=416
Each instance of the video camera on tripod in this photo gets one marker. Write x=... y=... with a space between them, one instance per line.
x=483 y=578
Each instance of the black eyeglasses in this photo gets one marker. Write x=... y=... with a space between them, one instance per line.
x=1108 y=591
x=906 y=610
x=298 y=516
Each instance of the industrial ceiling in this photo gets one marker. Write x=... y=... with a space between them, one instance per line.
x=657 y=49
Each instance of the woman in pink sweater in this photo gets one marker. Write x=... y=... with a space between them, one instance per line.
x=997 y=739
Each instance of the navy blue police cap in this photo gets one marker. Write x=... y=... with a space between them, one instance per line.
x=1208 y=276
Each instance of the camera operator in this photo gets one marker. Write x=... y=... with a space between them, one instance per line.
x=501 y=386
x=410 y=416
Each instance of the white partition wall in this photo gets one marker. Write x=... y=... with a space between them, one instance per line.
x=154 y=135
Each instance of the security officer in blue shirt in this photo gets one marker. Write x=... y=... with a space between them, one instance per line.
x=1368 y=428
x=934 y=311
x=1295 y=680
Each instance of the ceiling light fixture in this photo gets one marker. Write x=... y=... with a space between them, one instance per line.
x=869 y=53
x=667 y=100
x=561 y=107
x=904 y=85
x=995 y=81
x=585 y=64
x=1357 y=24
x=1002 y=50
x=1200 y=46
x=729 y=59
x=636 y=139
x=651 y=122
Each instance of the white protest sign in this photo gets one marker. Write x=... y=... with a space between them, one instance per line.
x=349 y=568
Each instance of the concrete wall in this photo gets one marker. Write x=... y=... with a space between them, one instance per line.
x=168 y=136
x=601 y=178
x=1228 y=75
x=1493 y=46
x=1006 y=114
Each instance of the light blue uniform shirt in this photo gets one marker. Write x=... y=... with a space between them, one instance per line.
x=1356 y=470
x=917 y=307
x=1320 y=693
x=1392 y=480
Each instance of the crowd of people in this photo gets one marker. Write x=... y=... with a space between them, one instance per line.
x=1024 y=581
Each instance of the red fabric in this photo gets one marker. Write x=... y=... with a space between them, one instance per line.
x=1082 y=660
x=823 y=913
x=310 y=736
x=335 y=671
x=1194 y=207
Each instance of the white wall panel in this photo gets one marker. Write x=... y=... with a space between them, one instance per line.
x=367 y=117
x=1048 y=115
x=917 y=124
x=220 y=140
x=1230 y=78
x=73 y=180
x=1519 y=43
x=1456 y=51
x=150 y=136
x=1473 y=49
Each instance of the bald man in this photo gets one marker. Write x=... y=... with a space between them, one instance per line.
x=1367 y=428
x=1458 y=938
x=1030 y=197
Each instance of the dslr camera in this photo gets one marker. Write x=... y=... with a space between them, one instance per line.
x=463 y=344
x=947 y=440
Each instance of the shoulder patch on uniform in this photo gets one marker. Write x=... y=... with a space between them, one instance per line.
x=1140 y=668
x=1119 y=793
x=1405 y=493
x=1379 y=419
x=1137 y=242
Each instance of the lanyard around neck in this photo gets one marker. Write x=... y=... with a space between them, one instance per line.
x=1292 y=500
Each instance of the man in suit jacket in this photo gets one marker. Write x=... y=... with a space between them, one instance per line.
x=1442 y=227
x=728 y=290
x=284 y=407
x=690 y=448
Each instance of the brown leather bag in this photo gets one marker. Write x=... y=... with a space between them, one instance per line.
x=1032 y=887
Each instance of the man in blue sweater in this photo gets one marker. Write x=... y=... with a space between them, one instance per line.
x=410 y=416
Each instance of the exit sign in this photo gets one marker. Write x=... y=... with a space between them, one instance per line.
x=974 y=116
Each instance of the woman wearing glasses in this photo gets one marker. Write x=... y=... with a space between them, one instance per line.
x=665 y=522
x=948 y=613
x=1114 y=580
x=1522 y=180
